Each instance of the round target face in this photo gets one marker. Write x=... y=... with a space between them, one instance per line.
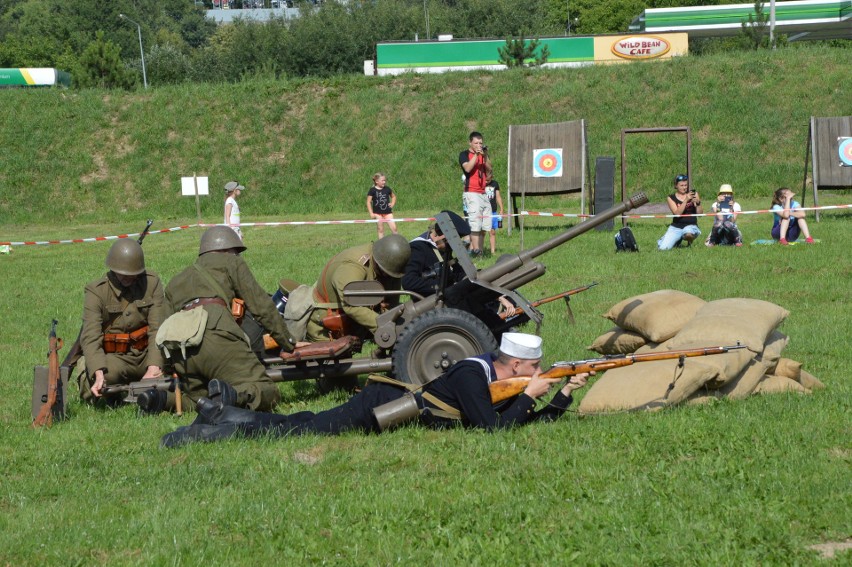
x=547 y=163
x=844 y=150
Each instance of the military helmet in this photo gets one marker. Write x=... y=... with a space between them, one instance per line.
x=220 y=238
x=391 y=253
x=126 y=258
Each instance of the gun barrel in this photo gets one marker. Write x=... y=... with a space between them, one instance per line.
x=490 y=274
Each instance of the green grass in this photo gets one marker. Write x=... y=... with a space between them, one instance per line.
x=750 y=482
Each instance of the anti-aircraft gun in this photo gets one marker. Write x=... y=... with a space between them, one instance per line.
x=422 y=337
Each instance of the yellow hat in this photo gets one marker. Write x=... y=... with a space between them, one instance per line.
x=726 y=188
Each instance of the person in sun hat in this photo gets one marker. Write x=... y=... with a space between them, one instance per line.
x=725 y=230
x=459 y=396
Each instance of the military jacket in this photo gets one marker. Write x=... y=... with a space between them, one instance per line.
x=109 y=307
x=234 y=277
x=352 y=265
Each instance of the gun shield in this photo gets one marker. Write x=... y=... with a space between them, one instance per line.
x=396 y=412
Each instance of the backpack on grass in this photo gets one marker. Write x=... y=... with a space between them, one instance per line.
x=624 y=241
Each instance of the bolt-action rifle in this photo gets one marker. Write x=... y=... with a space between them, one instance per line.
x=564 y=294
x=511 y=387
x=54 y=385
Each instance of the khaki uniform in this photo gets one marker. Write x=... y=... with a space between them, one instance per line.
x=224 y=352
x=108 y=307
x=352 y=265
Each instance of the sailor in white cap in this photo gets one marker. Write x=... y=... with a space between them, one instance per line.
x=459 y=396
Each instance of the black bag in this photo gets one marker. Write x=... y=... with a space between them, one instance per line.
x=625 y=242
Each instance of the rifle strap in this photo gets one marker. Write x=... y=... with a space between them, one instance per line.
x=444 y=409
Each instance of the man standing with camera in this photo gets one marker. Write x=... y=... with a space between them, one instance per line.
x=685 y=203
x=476 y=166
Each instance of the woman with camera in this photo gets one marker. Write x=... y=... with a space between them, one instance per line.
x=685 y=203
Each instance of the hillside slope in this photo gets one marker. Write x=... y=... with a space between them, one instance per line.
x=310 y=147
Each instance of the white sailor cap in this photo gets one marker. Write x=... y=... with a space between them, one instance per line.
x=521 y=345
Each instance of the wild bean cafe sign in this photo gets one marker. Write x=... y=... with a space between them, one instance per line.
x=641 y=47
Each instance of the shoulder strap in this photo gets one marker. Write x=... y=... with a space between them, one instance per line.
x=445 y=410
x=213 y=283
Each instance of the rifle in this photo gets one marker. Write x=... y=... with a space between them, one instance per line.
x=144 y=233
x=76 y=350
x=511 y=387
x=565 y=294
x=45 y=414
x=135 y=388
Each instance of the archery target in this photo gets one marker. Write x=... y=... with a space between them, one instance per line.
x=844 y=151
x=547 y=163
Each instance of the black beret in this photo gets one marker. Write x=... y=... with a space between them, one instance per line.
x=461 y=225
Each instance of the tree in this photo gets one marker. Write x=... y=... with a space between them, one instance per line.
x=521 y=53
x=101 y=66
x=755 y=29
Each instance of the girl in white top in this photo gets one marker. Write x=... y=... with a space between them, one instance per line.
x=232 y=209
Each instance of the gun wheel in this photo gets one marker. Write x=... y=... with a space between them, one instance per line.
x=436 y=340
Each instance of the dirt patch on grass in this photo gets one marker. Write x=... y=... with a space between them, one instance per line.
x=829 y=550
x=310 y=457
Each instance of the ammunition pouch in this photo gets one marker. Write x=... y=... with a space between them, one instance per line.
x=121 y=343
x=238 y=310
x=338 y=323
x=397 y=412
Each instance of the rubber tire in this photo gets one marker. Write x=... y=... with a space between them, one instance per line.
x=434 y=341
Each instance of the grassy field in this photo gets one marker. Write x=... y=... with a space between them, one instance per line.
x=752 y=482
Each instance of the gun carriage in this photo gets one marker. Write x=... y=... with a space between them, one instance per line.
x=422 y=337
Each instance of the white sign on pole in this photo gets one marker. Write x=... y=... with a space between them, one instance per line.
x=187 y=186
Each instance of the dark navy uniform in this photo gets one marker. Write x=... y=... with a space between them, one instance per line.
x=464 y=387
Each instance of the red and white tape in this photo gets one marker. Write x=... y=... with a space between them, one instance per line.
x=374 y=221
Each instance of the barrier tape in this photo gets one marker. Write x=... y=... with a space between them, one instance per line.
x=94 y=238
x=375 y=221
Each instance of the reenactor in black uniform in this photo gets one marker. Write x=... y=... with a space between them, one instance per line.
x=423 y=271
x=122 y=312
x=460 y=396
x=223 y=366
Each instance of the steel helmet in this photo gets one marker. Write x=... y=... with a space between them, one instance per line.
x=391 y=253
x=219 y=238
x=126 y=258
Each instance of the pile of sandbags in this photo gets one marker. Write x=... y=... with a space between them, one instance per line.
x=669 y=320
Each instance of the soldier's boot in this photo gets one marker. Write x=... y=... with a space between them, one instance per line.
x=214 y=413
x=152 y=402
x=221 y=392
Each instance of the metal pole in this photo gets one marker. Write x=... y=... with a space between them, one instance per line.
x=141 y=50
x=772 y=24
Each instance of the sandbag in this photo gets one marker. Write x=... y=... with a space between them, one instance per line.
x=775 y=344
x=745 y=384
x=645 y=386
x=773 y=384
x=658 y=315
x=617 y=341
x=728 y=366
x=653 y=347
x=810 y=381
x=788 y=368
x=727 y=321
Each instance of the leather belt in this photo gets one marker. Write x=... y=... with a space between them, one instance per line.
x=199 y=301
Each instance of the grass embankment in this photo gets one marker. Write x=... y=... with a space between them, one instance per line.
x=91 y=156
x=749 y=482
